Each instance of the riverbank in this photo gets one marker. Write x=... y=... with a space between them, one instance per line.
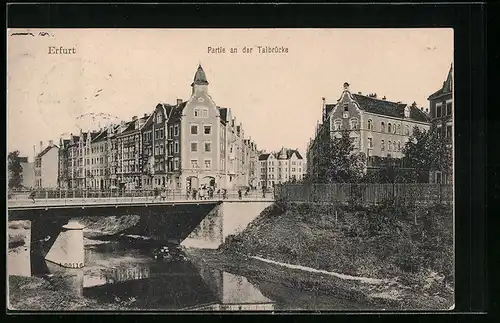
x=49 y=294
x=411 y=250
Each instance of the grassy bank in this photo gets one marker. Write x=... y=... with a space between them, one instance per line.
x=412 y=246
x=33 y=293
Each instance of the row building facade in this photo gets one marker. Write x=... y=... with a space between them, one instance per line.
x=180 y=146
x=287 y=165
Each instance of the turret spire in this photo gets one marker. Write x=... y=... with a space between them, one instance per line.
x=199 y=77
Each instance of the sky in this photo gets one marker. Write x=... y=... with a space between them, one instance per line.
x=122 y=73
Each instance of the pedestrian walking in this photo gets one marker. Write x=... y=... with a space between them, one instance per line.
x=263 y=191
x=156 y=193
x=163 y=194
x=32 y=196
x=239 y=193
x=195 y=193
x=188 y=194
x=224 y=194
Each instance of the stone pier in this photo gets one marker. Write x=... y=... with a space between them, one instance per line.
x=68 y=249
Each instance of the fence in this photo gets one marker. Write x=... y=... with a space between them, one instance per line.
x=132 y=195
x=366 y=193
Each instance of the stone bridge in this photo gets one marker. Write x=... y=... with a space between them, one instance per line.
x=58 y=236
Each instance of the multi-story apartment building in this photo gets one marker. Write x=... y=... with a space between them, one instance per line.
x=180 y=146
x=128 y=153
x=280 y=167
x=441 y=113
x=378 y=127
x=160 y=148
x=194 y=143
x=47 y=166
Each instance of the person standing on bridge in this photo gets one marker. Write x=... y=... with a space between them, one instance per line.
x=32 y=195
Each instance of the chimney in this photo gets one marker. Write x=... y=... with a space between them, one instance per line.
x=41 y=146
x=359 y=93
x=427 y=110
x=145 y=115
x=51 y=142
x=134 y=118
x=179 y=101
x=384 y=98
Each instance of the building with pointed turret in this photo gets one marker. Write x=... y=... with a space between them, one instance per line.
x=178 y=146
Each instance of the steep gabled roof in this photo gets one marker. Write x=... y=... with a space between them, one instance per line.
x=388 y=108
x=290 y=152
x=223 y=114
x=447 y=86
x=46 y=150
x=264 y=156
x=329 y=108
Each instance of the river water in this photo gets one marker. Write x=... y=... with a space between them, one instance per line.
x=125 y=272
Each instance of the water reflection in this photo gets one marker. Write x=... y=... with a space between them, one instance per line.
x=124 y=273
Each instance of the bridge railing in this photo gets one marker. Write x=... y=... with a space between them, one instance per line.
x=51 y=197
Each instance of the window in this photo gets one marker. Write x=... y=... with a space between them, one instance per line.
x=176 y=130
x=448 y=108
x=176 y=163
x=161 y=149
x=194 y=163
x=354 y=123
x=159 y=117
x=370 y=124
x=399 y=145
x=382 y=145
x=407 y=130
x=194 y=129
x=448 y=131
x=197 y=113
x=337 y=125
x=204 y=113
x=176 y=147
x=194 y=146
x=382 y=126
x=207 y=129
x=389 y=127
x=370 y=142
x=171 y=132
x=346 y=108
x=439 y=131
x=398 y=130
x=208 y=163
x=438 y=110
x=389 y=146
x=208 y=146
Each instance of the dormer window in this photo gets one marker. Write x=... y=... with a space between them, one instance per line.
x=382 y=126
x=370 y=124
x=389 y=128
x=407 y=112
x=159 y=117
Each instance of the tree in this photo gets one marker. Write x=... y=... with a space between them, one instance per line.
x=15 y=170
x=427 y=151
x=338 y=162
